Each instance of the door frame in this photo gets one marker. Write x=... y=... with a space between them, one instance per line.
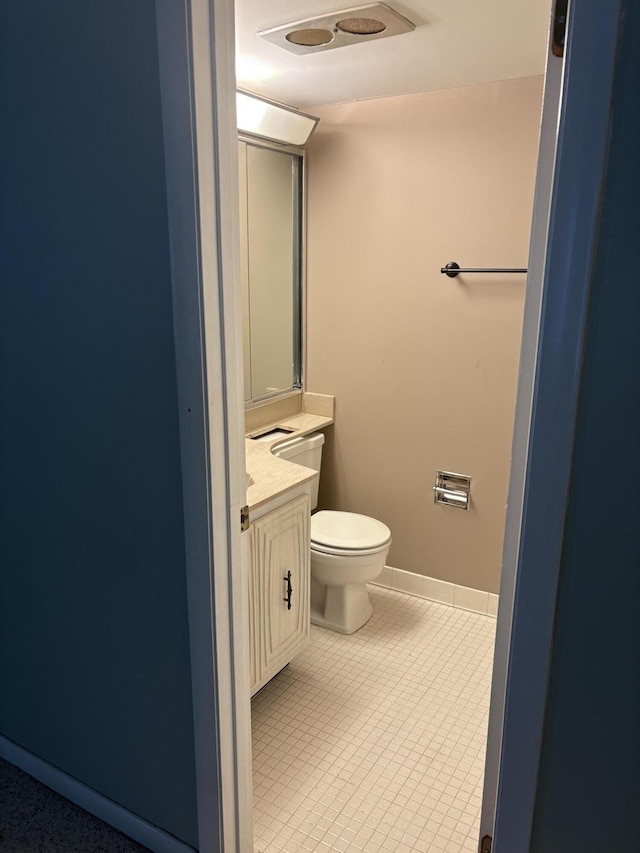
x=196 y=41
x=197 y=89
x=570 y=174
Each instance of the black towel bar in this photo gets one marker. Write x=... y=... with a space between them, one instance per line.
x=452 y=269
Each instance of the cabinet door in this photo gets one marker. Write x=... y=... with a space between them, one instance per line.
x=281 y=545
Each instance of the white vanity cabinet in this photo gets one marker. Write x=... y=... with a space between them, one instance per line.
x=278 y=553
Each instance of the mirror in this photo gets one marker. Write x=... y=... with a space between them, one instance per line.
x=270 y=252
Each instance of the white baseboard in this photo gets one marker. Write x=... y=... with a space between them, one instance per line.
x=463 y=597
x=91 y=801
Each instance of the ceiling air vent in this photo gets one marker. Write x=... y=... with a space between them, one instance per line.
x=339 y=29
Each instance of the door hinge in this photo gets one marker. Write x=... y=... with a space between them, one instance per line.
x=559 y=27
x=244 y=518
x=485 y=844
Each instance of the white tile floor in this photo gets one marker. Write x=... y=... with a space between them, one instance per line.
x=376 y=742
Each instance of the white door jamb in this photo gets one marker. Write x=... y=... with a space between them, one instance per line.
x=196 y=52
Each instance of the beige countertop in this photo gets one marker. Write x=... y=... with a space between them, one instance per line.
x=269 y=475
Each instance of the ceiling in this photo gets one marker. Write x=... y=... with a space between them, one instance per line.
x=455 y=43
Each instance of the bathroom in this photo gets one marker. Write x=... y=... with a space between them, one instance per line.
x=123 y=474
x=423 y=367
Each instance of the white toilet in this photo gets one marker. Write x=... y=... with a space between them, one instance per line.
x=347 y=551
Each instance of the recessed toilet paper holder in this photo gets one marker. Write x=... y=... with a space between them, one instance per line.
x=452 y=489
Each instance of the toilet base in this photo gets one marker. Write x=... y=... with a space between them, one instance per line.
x=344 y=608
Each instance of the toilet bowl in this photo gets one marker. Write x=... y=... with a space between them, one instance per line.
x=348 y=550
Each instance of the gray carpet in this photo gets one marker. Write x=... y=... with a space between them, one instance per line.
x=34 y=819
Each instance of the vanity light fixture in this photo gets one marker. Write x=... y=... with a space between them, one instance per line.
x=339 y=29
x=268 y=120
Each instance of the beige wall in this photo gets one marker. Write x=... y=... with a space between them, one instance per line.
x=423 y=367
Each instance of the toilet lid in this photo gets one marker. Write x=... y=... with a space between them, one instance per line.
x=348 y=530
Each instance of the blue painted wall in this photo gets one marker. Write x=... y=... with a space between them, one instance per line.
x=94 y=656
x=589 y=786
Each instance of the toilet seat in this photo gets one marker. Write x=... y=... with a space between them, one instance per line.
x=348 y=552
x=348 y=533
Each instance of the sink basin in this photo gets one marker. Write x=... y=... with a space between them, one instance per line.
x=271 y=434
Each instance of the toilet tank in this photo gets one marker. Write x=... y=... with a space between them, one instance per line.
x=305 y=450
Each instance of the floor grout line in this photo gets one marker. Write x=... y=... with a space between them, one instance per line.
x=376 y=741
